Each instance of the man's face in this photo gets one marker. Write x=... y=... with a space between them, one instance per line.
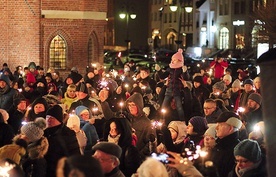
x=133 y=109
x=3 y=84
x=22 y=106
x=144 y=74
x=51 y=121
x=223 y=129
x=252 y=105
x=107 y=161
x=248 y=87
x=209 y=108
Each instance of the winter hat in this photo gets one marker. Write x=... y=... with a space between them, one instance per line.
x=18 y=99
x=199 y=124
x=80 y=109
x=84 y=111
x=227 y=77
x=5 y=114
x=34 y=130
x=32 y=65
x=76 y=77
x=255 y=97
x=248 y=81
x=220 y=86
x=230 y=118
x=248 y=149
x=198 y=79
x=73 y=120
x=177 y=56
x=211 y=131
x=56 y=112
x=74 y=69
x=236 y=84
x=82 y=88
x=173 y=125
x=109 y=148
x=5 y=78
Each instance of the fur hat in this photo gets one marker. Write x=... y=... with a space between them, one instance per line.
x=227 y=77
x=211 y=131
x=255 y=97
x=34 y=130
x=220 y=86
x=73 y=121
x=109 y=148
x=56 y=112
x=248 y=149
x=177 y=56
x=199 y=124
x=248 y=81
x=236 y=84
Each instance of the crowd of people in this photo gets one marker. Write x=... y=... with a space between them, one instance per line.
x=119 y=123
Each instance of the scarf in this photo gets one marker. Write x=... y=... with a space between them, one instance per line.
x=113 y=139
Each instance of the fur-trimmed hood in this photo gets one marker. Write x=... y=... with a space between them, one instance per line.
x=38 y=149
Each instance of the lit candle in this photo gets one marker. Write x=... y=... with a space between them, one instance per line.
x=126 y=86
x=163 y=111
x=121 y=104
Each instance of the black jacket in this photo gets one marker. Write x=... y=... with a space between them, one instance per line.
x=62 y=143
x=223 y=156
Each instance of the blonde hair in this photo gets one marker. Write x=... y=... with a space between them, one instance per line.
x=72 y=87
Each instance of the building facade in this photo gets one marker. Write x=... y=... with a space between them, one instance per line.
x=228 y=25
x=59 y=34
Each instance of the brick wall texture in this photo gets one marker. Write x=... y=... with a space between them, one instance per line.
x=25 y=34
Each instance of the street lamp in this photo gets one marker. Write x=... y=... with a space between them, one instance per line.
x=188 y=8
x=126 y=15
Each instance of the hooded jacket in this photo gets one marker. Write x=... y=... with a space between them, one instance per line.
x=140 y=123
x=6 y=93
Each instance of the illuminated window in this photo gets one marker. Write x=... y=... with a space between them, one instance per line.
x=224 y=38
x=58 y=53
x=90 y=50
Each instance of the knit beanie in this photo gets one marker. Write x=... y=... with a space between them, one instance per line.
x=227 y=77
x=248 y=81
x=34 y=130
x=198 y=79
x=248 y=149
x=199 y=124
x=211 y=131
x=109 y=148
x=256 y=97
x=177 y=56
x=82 y=88
x=5 y=78
x=73 y=121
x=236 y=84
x=56 y=112
x=220 y=86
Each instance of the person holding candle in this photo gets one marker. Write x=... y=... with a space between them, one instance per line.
x=87 y=125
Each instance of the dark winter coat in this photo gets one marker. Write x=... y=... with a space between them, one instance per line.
x=62 y=143
x=223 y=156
x=130 y=159
x=140 y=123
